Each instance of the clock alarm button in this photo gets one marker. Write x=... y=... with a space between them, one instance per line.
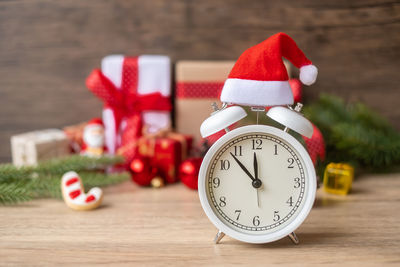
x=221 y=119
x=291 y=119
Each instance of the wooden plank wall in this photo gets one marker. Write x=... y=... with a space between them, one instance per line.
x=47 y=48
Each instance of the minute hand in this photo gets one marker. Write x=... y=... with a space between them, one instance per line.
x=243 y=167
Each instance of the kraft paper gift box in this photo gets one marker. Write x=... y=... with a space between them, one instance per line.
x=32 y=147
x=198 y=85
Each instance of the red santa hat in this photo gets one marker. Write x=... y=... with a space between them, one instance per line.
x=259 y=77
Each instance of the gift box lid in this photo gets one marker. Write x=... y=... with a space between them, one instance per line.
x=40 y=136
x=203 y=71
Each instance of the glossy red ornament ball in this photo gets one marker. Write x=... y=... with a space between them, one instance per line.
x=137 y=165
x=141 y=171
x=295 y=84
x=189 y=172
x=315 y=145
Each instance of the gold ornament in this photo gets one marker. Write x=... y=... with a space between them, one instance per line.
x=157 y=182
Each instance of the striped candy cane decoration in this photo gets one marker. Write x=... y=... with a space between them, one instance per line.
x=74 y=193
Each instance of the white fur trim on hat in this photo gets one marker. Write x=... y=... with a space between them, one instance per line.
x=257 y=93
x=308 y=74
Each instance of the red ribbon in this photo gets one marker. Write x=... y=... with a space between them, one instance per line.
x=126 y=103
x=198 y=89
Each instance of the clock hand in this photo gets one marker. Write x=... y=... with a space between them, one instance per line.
x=256 y=182
x=255 y=164
x=243 y=167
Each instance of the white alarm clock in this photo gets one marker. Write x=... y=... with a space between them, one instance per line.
x=257 y=183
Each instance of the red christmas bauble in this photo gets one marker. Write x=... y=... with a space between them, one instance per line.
x=295 y=84
x=315 y=145
x=189 y=172
x=137 y=165
x=141 y=171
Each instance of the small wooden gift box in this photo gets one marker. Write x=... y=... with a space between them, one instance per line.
x=32 y=147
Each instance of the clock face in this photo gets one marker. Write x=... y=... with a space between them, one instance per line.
x=256 y=183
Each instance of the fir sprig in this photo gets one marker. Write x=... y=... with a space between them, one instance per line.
x=77 y=163
x=18 y=184
x=13 y=192
x=354 y=133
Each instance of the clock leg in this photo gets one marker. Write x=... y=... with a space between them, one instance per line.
x=218 y=237
x=294 y=238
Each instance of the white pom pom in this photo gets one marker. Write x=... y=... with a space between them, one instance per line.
x=308 y=74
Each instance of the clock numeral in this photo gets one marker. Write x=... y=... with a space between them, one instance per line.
x=291 y=162
x=225 y=165
x=216 y=182
x=297 y=182
x=257 y=143
x=238 y=214
x=238 y=151
x=276 y=216
x=222 y=201
x=290 y=202
x=276 y=149
x=256 y=221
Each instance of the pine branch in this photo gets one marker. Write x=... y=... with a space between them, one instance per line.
x=368 y=118
x=372 y=147
x=18 y=184
x=93 y=179
x=13 y=193
x=50 y=187
x=354 y=133
x=10 y=173
x=77 y=163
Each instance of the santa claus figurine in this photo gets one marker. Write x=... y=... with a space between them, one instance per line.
x=93 y=138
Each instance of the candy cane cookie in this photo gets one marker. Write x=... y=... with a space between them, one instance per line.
x=74 y=193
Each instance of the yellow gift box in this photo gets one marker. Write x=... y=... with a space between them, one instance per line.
x=338 y=178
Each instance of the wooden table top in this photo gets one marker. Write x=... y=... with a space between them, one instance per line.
x=167 y=226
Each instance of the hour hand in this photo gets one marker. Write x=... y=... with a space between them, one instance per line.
x=255 y=166
x=256 y=182
x=243 y=167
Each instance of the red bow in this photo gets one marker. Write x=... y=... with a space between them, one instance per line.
x=126 y=103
